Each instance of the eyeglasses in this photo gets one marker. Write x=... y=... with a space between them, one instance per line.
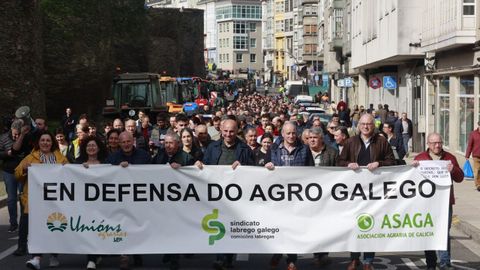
x=434 y=143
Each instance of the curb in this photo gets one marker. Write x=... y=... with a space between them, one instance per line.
x=468 y=229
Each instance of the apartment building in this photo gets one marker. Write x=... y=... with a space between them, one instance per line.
x=239 y=36
x=450 y=40
x=419 y=57
x=268 y=40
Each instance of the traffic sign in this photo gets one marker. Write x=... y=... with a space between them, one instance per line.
x=375 y=83
x=348 y=82
x=389 y=82
x=341 y=83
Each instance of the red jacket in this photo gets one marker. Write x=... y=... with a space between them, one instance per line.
x=473 y=147
x=456 y=174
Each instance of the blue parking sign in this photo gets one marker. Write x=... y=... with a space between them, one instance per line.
x=389 y=82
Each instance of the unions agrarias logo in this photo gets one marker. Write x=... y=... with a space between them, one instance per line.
x=57 y=222
x=214 y=227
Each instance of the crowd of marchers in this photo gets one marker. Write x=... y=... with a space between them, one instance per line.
x=253 y=130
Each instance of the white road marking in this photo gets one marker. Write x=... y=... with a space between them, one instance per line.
x=7 y=252
x=410 y=264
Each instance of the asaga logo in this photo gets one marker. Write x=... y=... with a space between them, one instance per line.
x=57 y=222
x=213 y=227
x=365 y=222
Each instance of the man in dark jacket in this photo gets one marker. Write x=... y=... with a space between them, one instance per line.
x=138 y=140
x=404 y=129
x=68 y=124
x=10 y=162
x=128 y=154
x=370 y=150
x=229 y=150
x=435 y=152
x=290 y=152
x=172 y=153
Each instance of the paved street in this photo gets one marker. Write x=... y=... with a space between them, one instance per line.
x=466 y=255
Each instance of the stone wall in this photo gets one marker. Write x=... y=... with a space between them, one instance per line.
x=176 y=42
x=56 y=54
x=21 y=70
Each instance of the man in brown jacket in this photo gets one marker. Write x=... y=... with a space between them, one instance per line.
x=370 y=150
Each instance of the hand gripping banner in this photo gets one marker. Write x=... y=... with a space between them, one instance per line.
x=155 y=209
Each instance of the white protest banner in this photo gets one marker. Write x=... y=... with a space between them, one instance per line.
x=155 y=209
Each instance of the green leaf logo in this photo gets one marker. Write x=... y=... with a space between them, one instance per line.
x=365 y=222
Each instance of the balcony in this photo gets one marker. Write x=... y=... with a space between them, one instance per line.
x=305 y=2
x=335 y=44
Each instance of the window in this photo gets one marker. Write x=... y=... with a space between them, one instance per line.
x=253 y=58
x=444 y=109
x=468 y=7
x=279 y=7
x=239 y=28
x=227 y=27
x=239 y=43
x=239 y=58
x=337 y=24
x=228 y=57
x=310 y=10
x=279 y=26
x=253 y=27
x=310 y=29
x=288 y=25
x=253 y=43
x=466 y=106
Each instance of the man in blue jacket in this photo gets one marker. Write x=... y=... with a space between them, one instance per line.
x=229 y=150
x=290 y=152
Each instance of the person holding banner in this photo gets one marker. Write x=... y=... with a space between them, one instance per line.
x=128 y=154
x=173 y=155
x=323 y=155
x=92 y=152
x=45 y=151
x=229 y=150
x=435 y=152
x=290 y=152
x=370 y=150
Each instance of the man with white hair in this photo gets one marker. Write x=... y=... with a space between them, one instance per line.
x=371 y=150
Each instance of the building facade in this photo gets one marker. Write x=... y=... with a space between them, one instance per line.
x=239 y=36
x=450 y=41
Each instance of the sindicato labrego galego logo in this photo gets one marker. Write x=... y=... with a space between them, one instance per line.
x=365 y=222
x=56 y=222
x=213 y=227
